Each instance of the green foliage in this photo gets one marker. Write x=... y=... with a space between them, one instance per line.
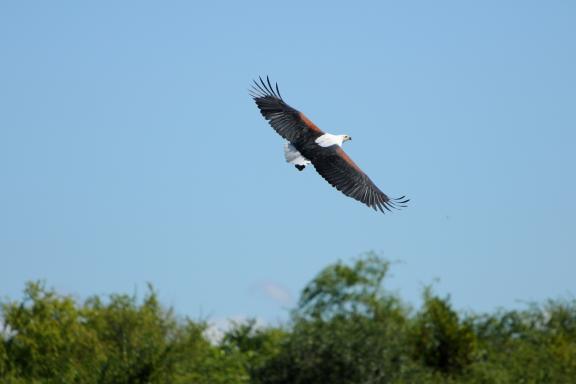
x=48 y=339
x=344 y=349
x=53 y=339
x=532 y=346
x=340 y=288
x=347 y=329
x=252 y=345
x=3 y=355
x=440 y=340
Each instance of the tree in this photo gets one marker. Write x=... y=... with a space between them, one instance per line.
x=53 y=339
x=254 y=345
x=47 y=338
x=440 y=340
x=346 y=329
x=344 y=289
x=537 y=344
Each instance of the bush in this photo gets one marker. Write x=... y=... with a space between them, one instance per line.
x=347 y=329
x=440 y=340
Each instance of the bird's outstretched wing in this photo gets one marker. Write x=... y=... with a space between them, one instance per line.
x=338 y=169
x=290 y=123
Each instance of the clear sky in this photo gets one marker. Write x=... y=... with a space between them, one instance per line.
x=130 y=151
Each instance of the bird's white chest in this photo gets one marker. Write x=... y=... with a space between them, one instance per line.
x=327 y=140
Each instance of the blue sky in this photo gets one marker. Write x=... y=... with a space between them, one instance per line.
x=130 y=151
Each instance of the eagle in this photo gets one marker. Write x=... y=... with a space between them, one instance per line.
x=307 y=144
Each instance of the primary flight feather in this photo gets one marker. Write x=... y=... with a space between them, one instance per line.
x=306 y=143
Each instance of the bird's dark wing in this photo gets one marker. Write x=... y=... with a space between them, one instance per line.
x=337 y=168
x=290 y=123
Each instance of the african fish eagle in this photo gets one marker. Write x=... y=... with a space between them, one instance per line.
x=306 y=143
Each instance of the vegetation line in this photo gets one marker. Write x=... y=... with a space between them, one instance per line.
x=345 y=329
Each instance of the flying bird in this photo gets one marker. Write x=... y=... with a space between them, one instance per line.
x=308 y=144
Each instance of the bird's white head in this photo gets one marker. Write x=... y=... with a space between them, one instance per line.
x=328 y=139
